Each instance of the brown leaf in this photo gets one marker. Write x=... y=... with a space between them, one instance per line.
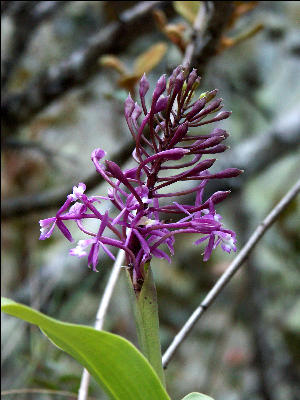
x=160 y=18
x=149 y=59
x=174 y=33
x=128 y=82
x=113 y=62
x=240 y=8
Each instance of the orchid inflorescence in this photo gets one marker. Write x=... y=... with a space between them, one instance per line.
x=161 y=134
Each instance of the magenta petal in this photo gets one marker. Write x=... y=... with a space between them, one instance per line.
x=144 y=86
x=64 y=230
x=47 y=227
x=161 y=104
x=143 y=242
x=161 y=254
x=209 y=248
x=107 y=251
x=129 y=106
x=93 y=256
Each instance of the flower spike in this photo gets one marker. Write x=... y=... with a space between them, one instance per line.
x=163 y=136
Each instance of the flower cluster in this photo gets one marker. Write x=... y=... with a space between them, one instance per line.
x=164 y=143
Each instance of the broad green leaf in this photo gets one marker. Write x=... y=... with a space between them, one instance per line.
x=187 y=9
x=147 y=322
x=197 y=396
x=148 y=60
x=120 y=369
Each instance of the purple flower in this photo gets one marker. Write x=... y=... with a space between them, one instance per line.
x=162 y=137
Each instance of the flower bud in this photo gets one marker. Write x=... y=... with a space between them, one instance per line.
x=219 y=132
x=161 y=104
x=210 y=95
x=192 y=78
x=159 y=89
x=199 y=104
x=98 y=154
x=229 y=173
x=171 y=81
x=144 y=86
x=129 y=107
x=212 y=150
x=222 y=115
x=173 y=154
x=207 y=143
x=211 y=107
x=136 y=112
x=219 y=196
x=180 y=132
x=178 y=83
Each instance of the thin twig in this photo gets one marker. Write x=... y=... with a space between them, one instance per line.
x=103 y=306
x=207 y=45
x=47 y=199
x=198 y=28
x=77 y=69
x=230 y=271
x=41 y=391
x=26 y=19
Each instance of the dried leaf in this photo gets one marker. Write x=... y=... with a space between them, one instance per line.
x=112 y=62
x=227 y=42
x=148 y=60
x=128 y=82
x=187 y=9
x=240 y=8
x=175 y=33
x=160 y=18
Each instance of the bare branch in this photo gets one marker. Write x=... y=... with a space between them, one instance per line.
x=12 y=8
x=26 y=19
x=230 y=271
x=198 y=29
x=77 y=69
x=103 y=306
x=19 y=206
x=207 y=41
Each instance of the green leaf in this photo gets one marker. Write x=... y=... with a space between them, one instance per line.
x=120 y=369
x=147 y=322
x=197 y=396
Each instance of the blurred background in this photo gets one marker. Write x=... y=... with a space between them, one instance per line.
x=67 y=68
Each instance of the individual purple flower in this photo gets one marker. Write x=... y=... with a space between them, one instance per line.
x=163 y=139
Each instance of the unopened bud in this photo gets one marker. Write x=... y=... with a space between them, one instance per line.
x=197 y=107
x=159 y=89
x=192 y=78
x=144 y=86
x=98 y=154
x=178 y=134
x=210 y=95
x=136 y=112
x=129 y=107
x=229 y=173
x=161 y=104
x=178 y=83
x=219 y=132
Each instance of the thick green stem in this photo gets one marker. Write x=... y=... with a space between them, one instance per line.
x=147 y=322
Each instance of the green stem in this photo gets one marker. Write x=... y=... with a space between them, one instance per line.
x=147 y=322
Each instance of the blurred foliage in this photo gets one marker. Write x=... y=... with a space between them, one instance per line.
x=144 y=63
x=258 y=77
